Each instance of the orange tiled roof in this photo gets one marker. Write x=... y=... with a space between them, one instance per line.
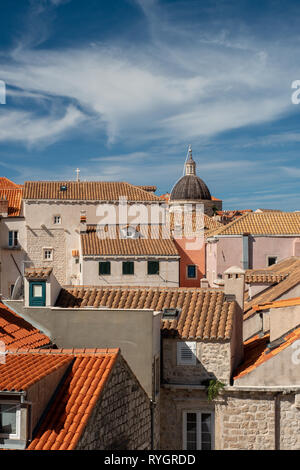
x=20 y=371
x=37 y=273
x=70 y=411
x=16 y=332
x=260 y=276
x=265 y=223
x=5 y=183
x=290 y=267
x=205 y=313
x=11 y=192
x=86 y=191
x=150 y=242
x=151 y=189
x=256 y=352
x=278 y=304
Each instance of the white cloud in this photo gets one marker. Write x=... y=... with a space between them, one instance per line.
x=193 y=88
x=25 y=127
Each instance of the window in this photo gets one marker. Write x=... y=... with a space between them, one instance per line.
x=153 y=267
x=48 y=254
x=13 y=238
x=186 y=353
x=128 y=267
x=271 y=260
x=198 y=430
x=9 y=420
x=57 y=219
x=191 y=271
x=37 y=294
x=104 y=268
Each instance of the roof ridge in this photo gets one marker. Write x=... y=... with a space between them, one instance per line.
x=66 y=352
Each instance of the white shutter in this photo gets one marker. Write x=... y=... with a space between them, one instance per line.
x=186 y=353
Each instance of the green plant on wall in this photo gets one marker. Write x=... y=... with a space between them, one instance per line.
x=213 y=389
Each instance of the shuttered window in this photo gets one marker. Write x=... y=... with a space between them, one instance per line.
x=128 y=267
x=186 y=353
x=104 y=268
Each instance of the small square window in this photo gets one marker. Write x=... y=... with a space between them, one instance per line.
x=48 y=254
x=104 y=268
x=191 y=271
x=128 y=267
x=57 y=219
x=271 y=260
x=153 y=267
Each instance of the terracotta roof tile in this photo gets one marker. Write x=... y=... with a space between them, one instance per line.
x=256 y=352
x=37 y=273
x=149 y=242
x=69 y=413
x=205 y=313
x=86 y=191
x=289 y=267
x=265 y=223
x=278 y=304
x=16 y=332
x=12 y=193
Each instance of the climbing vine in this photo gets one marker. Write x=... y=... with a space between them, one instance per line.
x=213 y=389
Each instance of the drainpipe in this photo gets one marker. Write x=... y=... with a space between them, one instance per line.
x=245 y=261
x=277 y=421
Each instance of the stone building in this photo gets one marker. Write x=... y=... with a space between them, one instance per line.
x=72 y=400
x=12 y=237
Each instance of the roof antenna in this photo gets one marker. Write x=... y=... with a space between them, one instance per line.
x=77 y=173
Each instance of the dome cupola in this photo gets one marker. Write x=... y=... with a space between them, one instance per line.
x=190 y=187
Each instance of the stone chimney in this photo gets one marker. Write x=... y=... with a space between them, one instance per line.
x=3 y=207
x=234 y=287
x=234 y=284
x=204 y=283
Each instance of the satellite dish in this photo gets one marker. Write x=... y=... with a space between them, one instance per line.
x=18 y=289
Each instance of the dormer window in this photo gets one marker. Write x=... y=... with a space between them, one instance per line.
x=129 y=232
x=10 y=416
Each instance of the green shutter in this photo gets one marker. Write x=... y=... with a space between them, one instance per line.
x=104 y=268
x=153 y=267
x=128 y=267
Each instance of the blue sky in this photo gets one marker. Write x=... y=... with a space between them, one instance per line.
x=121 y=88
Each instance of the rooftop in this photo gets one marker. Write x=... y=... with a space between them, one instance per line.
x=256 y=352
x=109 y=241
x=289 y=268
x=86 y=191
x=68 y=414
x=265 y=223
x=11 y=192
x=16 y=332
x=205 y=313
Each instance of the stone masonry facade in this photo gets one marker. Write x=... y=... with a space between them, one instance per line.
x=243 y=420
x=213 y=361
x=38 y=239
x=121 y=419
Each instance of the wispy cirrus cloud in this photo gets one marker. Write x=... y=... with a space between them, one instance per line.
x=199 y=86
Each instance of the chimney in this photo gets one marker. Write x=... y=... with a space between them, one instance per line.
x=234 y=284
x=82 y=221
x=3 y=207
x=234 y=287
x=203 y=283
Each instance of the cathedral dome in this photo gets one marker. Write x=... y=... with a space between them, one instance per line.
x=190 y=187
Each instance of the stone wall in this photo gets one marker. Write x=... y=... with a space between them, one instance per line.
x=213 y=361
x=121 y=420
x=242 y=420
x=37 y=239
